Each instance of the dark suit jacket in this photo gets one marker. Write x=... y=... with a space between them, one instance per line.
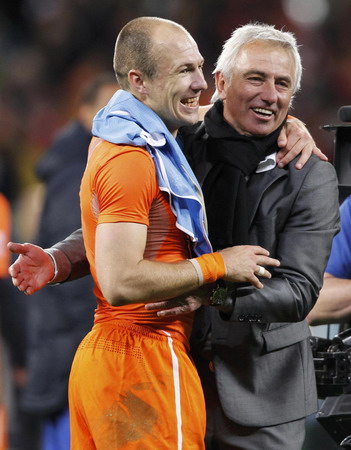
x=261 y=351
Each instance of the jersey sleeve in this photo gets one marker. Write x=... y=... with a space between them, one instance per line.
x=339 y=264
x=125 y=187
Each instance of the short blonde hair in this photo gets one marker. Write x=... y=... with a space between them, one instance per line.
x=135 y=48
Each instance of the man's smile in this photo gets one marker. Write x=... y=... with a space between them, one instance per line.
x=263 y=112
x=191 y=102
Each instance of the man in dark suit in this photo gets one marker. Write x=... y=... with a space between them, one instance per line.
x=263 y=383
x=260 y=382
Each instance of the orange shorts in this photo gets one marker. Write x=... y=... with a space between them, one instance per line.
x=131 y=388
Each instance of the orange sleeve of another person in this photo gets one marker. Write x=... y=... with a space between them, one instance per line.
x=5 y=234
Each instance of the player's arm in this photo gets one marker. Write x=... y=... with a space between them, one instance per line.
x=124 y=276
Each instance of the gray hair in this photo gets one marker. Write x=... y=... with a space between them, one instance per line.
x=256 y=32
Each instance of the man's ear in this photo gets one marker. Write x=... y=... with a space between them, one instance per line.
x=220 y=85
x=136 y=82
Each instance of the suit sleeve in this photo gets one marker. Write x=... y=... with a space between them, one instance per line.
x=302 y=246
x=71 y=258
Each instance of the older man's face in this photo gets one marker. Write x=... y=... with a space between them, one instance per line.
x=257 y=98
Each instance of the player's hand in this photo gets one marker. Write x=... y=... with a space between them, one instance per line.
x=295 y=139
x=244 y=263
x=32 y=270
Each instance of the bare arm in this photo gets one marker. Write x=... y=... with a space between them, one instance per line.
x=126 y=277
x=334 y=302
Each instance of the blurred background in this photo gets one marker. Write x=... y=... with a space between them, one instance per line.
x=49 y=48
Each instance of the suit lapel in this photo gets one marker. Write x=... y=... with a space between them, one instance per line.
x=257 y=186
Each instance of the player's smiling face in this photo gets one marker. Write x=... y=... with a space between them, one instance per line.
x=175 y=90
x=258 y=95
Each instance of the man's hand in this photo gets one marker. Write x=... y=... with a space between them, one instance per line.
x=184 y=304
x=294 y=140
x=32 y=270
x=244 y=263
x=175 y=306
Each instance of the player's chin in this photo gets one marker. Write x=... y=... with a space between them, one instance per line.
x=190 y=118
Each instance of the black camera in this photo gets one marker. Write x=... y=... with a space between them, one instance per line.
x=342 y=150
x=332 y=362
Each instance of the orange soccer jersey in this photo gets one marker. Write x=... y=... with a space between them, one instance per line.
x=132 y=383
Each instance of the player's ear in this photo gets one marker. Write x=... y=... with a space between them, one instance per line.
x=136 y=81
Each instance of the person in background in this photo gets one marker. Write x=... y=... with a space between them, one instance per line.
x=334 y=302
x=332 y=307
x=59 y=318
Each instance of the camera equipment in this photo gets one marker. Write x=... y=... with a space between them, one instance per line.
x=332 y=357
x=332 y=361
x=335 y=417
x=342 y=151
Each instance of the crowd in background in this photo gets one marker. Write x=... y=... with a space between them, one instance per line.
x=48 y=48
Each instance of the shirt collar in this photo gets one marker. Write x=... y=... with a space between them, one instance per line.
x=267 y=164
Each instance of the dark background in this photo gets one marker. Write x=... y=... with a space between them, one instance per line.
x=49 y=48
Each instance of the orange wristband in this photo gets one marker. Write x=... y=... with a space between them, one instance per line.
x=212 y=266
